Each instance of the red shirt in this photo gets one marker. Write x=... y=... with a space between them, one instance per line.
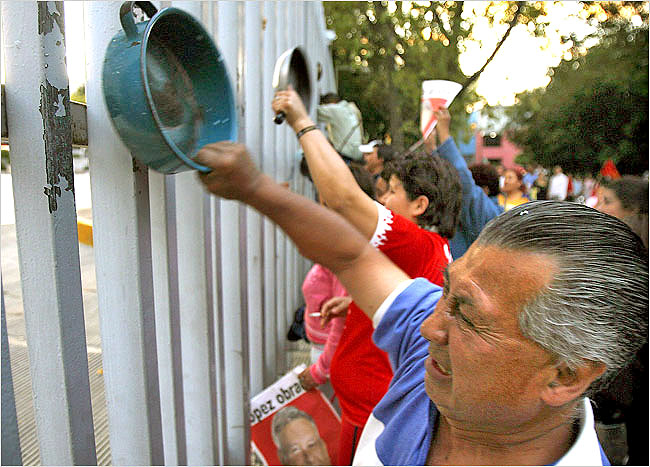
x=360 y=372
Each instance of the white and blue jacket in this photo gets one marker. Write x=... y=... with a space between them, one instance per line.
x=397 y=432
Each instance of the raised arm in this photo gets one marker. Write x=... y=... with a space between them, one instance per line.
x=331 y=175
x=319 y=233
x=477 y=209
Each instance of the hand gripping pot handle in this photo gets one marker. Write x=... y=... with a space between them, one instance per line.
x=279 y=118
x=127 y=19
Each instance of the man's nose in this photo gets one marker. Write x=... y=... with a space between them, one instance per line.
x=435 y=327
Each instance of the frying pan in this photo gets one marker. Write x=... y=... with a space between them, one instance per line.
x=291 y=68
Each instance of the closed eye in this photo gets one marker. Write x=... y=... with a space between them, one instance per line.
x=454 y=307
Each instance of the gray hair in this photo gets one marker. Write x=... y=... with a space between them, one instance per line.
x=596 y=306
x=283 y=418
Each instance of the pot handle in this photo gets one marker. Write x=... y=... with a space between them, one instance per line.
x=127 y=20
x=279 y=118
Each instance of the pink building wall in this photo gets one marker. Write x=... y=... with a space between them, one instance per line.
x=505 y=153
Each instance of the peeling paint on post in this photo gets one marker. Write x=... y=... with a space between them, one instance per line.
x=55 y=104
x=57 y=134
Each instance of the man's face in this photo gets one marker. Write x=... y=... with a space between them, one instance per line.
x=610 y=204
x=482 y=373
x=301 y=444
x=373 y=164
x=396 y=199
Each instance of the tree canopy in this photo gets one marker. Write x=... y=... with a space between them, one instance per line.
x=595 y=107
x=384 y=50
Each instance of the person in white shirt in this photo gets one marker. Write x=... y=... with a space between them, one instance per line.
x=558 y=185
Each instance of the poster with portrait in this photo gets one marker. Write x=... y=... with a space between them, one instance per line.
x=436 y=94
x=291 y=426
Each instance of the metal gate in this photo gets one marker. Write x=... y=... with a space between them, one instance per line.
x=194 y=293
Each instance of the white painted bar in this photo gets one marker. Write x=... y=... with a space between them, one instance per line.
x=281 y=176
x=197 y=321
x=298 y=21
x=123 y=266
x=268 y=165
x=196 y=316
x=212 y=213
x=162 y=193
x=253 y=54
x=237 y=444
x=46 y=229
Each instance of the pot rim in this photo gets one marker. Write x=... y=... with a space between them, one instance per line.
x=145 y=80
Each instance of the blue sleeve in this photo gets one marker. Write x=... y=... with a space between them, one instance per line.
x=398 y=332
x=477 y=209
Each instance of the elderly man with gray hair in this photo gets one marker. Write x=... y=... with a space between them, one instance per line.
x=296 y=436
x=496 y=367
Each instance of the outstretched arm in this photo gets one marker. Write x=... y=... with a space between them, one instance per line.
x=319 y=233
x=332 y=177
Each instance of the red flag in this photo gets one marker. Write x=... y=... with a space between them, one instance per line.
x=609 y=170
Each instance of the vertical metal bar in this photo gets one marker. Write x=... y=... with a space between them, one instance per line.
x=197 y=317
x=212 y=212
x=10 y=441
x=46 y=229
x=165 y=273
x=290 y=145
x=280 y=239
x=253 y=123
x=212 y=207
x=122 y=246
x=237 y=447
x=299 y=39
x=243 y=218
x=267 y=163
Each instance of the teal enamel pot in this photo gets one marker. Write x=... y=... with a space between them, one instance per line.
x=167 y=89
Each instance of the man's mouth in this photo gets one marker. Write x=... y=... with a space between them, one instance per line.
x=444 y=370
x=435 y=369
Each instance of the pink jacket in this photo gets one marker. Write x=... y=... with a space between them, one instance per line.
x=319 y=286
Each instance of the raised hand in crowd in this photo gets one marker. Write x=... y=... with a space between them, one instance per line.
x=290 y=103
x=443 y=125
x=430 y=144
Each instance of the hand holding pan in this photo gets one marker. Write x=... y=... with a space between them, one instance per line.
x=291 y=68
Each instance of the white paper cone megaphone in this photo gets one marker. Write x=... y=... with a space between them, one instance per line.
x=436 y=94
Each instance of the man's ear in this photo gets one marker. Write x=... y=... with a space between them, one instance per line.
x=419 y=205
x=569 y=384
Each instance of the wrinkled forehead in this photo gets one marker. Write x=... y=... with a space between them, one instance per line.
x=505 y=277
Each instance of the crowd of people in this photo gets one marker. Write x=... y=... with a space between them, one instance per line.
x=461 y=315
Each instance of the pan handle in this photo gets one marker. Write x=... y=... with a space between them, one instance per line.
x=279 y=118
x=126 y=17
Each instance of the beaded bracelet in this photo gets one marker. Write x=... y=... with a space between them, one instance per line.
x=305 y=130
